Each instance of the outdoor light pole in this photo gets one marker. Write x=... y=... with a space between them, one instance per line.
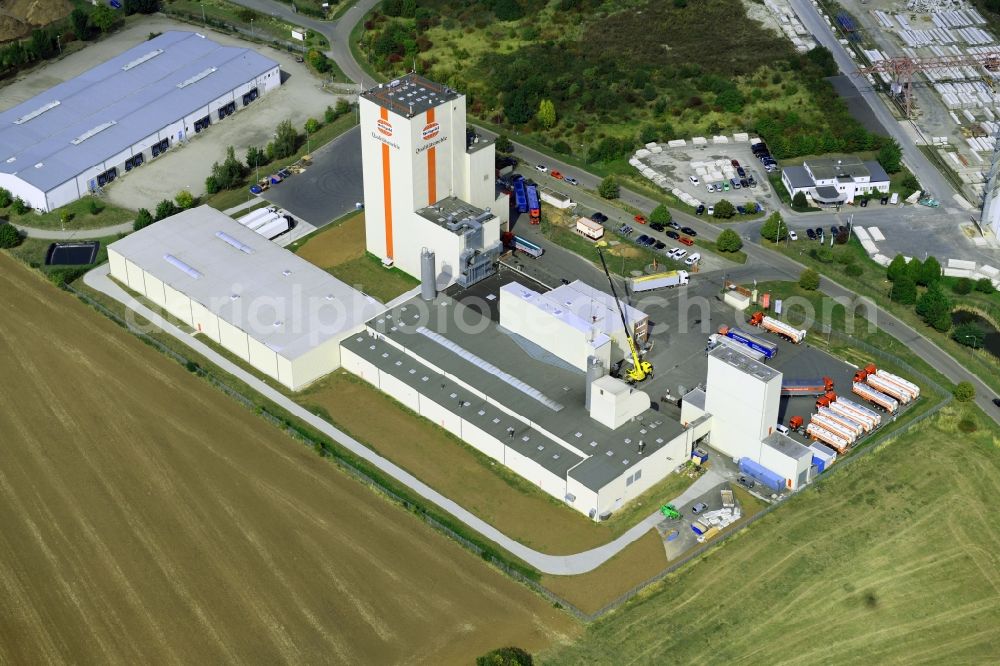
x=204 y=21
x=251 y=29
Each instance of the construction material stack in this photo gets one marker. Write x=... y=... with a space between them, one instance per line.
x=778 y=327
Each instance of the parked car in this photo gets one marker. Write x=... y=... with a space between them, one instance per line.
x=735 y=183
x=641 y=219
x=711 y=210
x=555 y=174
x=673 y=234
x=680 y=253
x=686 y=241
x=541 y=167
x=656 y=226
x=833 y=230
x=811 y=234
x=736 y=164
x=744 y=182
x=700 y=506
x=864 y=203
x=746 y=482
x=700 y=210
x=673 y=225
x=725 y=186
x=996 y=401
x=659 y=245
x=299 y=59
x=571 y=180
x=753 y=183
x=694 y=180
x=819 y=234
x=710 y=187
x=689 y=231
x=741 y=172
x=884 y=200
x=641 y=240
x=693 y=259
x=741 y=210
x=841 y=229
x=599 y=217
x=792 y=235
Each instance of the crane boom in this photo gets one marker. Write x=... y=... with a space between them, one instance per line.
x=641 y=369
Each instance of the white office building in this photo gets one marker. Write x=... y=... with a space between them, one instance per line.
x=82 y=134
x=834 y=181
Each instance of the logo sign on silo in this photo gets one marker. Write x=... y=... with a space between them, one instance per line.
x=431 y=130
x=384 y=127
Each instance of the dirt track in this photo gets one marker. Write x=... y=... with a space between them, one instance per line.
x=145 y=517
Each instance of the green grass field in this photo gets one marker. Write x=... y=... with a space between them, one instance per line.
x=79 y=214
x=895 y=559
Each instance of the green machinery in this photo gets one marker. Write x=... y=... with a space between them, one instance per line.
x=670 y=512
x=641 y=368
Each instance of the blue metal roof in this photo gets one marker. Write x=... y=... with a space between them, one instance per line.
x=84 y=121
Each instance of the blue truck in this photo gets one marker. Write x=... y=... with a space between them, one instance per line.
x=768 y=349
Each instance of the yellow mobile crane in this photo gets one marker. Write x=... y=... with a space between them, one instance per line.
x=641 y=368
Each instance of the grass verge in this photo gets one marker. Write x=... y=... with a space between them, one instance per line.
x=79 y=212
x=867 y=544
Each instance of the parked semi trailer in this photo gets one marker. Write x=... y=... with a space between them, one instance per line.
x=715 y=340
x=906 y=385
x=528 y=247
x=520 y=196
x=889 y=388
x=835 y=427
x=534 y=208
x=857 y=429
x=860 y=410
x=887 y=403
x=817 y=386
x=658 y=281
x=778 y=327
x=837 y=443
x=864 y=421
x=768 y=349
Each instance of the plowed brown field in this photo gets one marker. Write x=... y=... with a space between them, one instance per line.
x=146 y=518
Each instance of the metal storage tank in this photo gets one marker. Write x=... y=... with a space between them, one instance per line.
x=428 y=290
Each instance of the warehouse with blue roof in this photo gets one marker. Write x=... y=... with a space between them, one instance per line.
x=82 y=134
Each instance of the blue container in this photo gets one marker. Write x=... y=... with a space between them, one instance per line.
x=758 y=472
x=694 y=528
x=820 y=464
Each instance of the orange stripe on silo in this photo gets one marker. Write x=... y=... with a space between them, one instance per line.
x=431 y=166
x=387 y=191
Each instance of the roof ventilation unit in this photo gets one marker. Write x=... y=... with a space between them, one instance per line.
x=37 y=112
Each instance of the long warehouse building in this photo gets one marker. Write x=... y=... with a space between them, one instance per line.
x=82 y=134
x=273 y=309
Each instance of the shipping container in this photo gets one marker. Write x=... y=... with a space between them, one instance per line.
x=716 y=340
x=763 y=475
x=768 y=349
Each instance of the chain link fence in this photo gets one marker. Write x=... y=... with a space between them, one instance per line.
x=487 y=554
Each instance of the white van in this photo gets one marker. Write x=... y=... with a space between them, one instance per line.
x=694 y=180
x=894 y=199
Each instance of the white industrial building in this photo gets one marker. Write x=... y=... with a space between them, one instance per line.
x=742 y=398
x=833 y=181
x=82 y=134
x=582 y=436
x=274 y=310
x=427 y=184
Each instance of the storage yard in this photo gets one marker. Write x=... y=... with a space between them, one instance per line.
x=156 y=520
x=687 y=167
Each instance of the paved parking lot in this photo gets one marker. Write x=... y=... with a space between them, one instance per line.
x=678 y=165
x=330 y=188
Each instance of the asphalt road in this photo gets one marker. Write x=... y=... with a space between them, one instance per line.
x=930 y=178
x=337 y=32
x=329 y=188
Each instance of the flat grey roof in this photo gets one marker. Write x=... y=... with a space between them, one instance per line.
x=825 y=168
x=877 y=173
x=744 y=363
x=798 y=176
x=695 y=398
x=210 y=257
x=139 y=91
x=786 y=445
x=828 y=194
x=526 y=440
x=558 y=404
x=449 y=209
x=410 y=95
